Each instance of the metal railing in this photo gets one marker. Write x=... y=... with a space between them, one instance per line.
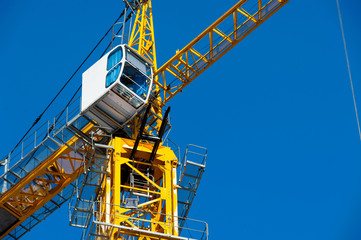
x=37 y=137
x=138 y=222
x=191 y=171
x=195 y=154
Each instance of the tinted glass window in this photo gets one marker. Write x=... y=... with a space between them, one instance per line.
x=113 y=75
x=114 y=57
x=136 y=81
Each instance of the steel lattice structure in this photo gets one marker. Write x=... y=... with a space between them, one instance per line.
x=132 y=195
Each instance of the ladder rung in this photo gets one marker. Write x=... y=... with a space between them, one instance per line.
x=186 y=189
x=11 y=183
x=55 y=203
x=24 y=227
x=15 y=174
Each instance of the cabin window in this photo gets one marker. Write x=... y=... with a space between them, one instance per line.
x=112 y=75
x=135 y=80
x=114 y=58
x=138 y=62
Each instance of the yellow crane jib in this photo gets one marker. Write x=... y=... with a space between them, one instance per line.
x=212 y=44
x=135 y=191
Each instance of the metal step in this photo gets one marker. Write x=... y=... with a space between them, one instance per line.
x=191 y=171
x=81 y=206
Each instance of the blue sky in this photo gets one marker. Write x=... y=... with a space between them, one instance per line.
x=275 y=113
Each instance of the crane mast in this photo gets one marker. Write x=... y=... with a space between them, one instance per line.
x=143 y=41
x=142 y=35
x=126 y=186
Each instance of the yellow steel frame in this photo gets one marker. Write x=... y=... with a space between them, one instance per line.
x=24 y=199
x=34 y=191
x=190 y=62
x=161 y=204
x=142 y=36
x=143 y=41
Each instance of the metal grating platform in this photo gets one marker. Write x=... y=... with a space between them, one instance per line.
x=34 y=151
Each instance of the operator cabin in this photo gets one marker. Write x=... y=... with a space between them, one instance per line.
x=116 y=87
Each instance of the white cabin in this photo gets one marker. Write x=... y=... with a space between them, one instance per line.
x=116 y=87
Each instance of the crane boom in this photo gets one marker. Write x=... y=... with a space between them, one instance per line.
x=40 y=176
x=191 y=61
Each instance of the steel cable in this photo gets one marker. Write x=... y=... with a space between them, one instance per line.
x=348 y=67
x=67 y=82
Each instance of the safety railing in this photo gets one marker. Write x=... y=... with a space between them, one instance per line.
x=191 y=171
x=67 y=130
x=39 y=136
x=195 y=154
x=136 y=222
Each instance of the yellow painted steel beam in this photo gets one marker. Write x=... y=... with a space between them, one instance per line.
x=190 y=62
x=143 y=41
x=33 y=191
x=142 y=35
x=26 y=197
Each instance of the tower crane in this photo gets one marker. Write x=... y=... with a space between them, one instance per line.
x=108 y=155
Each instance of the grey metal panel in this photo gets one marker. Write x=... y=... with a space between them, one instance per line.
x=7 y=220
